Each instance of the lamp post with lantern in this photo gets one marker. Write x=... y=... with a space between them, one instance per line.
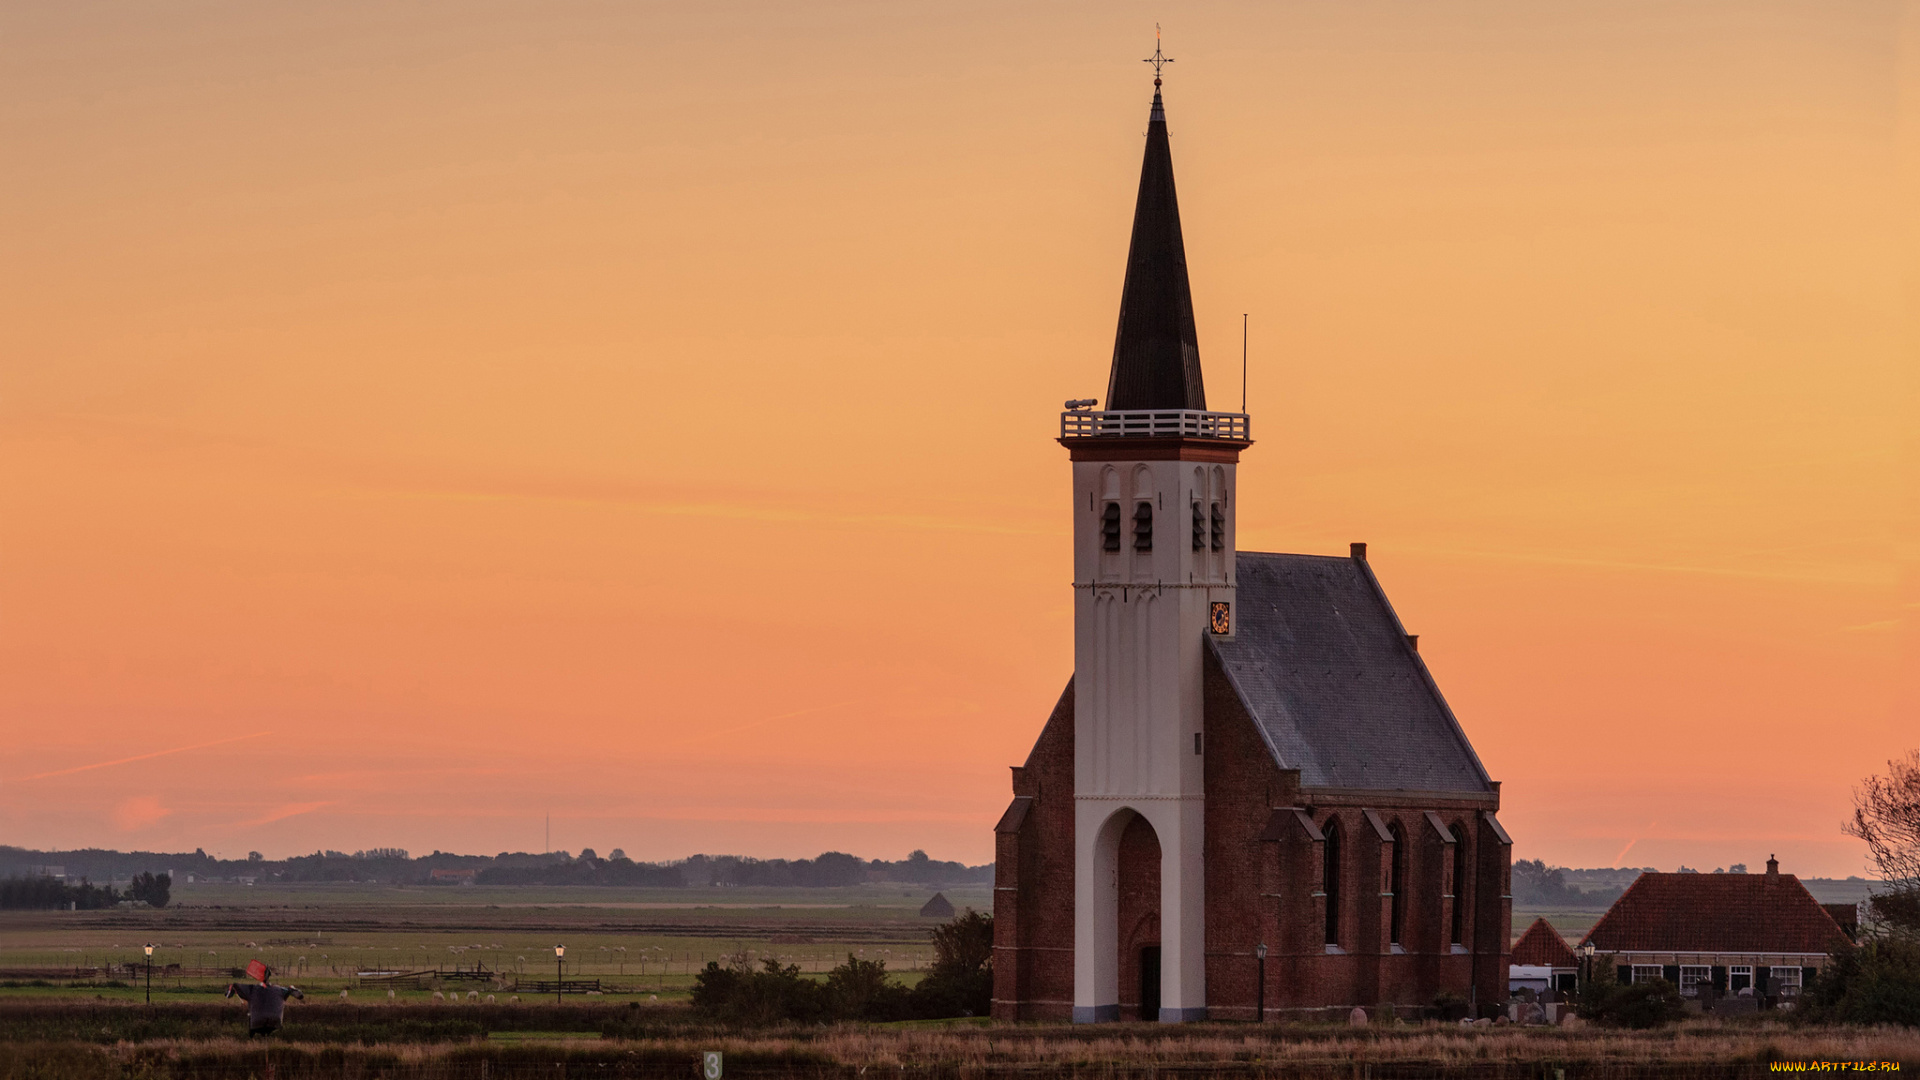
x=1586 y=963
x=1260 y=955
x=559 y=960
x=149 y=949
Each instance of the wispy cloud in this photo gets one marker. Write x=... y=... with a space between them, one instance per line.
x=137 y=757
x=745 y=510
x=705 y=736
x=138 y=811
x=1630 y=843
x=286 y=811
x=1831 y=574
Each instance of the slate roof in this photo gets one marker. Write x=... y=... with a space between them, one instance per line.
x=1156 y=351
x=1542 y=946
x=1728 y=913
x=1322 y=664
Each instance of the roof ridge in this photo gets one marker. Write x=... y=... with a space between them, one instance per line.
x=1420 y=663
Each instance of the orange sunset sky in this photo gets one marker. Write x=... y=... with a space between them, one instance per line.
x=419 y=419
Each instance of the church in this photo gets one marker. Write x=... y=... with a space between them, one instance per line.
x=1251 y=801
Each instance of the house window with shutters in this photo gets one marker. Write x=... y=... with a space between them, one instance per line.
x=1739 y=977
x=1646 y=972
x=1784 y=981
x=1691 y=978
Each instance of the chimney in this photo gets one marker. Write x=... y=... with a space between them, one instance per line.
x=1773 y=868
x=1413 y=642
x=1359 y=551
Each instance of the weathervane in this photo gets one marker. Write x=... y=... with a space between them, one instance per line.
x=1157 y=60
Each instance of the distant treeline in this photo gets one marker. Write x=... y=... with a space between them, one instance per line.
x=396 y=866
x=41 y=893
x=1535 y=884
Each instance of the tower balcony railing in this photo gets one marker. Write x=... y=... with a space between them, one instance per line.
x=1154 y=424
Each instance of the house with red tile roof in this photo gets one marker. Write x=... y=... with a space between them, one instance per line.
x=1542 y=960
x=1758 y=935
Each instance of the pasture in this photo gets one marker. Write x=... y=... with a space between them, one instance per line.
x=72 y=993
x=638 y=944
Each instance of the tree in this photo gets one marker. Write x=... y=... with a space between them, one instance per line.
x=1886 y=814
x=738 y=994
x=156 y=891
x=254 y=856
x=1876 y=983
x=1606 y=1000
x=960 y=983
x=860 y=990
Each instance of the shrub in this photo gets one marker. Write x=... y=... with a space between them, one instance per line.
x=737 y=994
x=860 y=990
x=960 y=983
x=1876 y=983
x=1605 y=1000
x=1640 y=1005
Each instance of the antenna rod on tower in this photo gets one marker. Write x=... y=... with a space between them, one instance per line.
x=1243 y=362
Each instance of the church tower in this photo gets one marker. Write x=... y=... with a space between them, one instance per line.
x=1153 y=543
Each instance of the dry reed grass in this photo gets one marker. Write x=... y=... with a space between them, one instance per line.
x=1696 y=1049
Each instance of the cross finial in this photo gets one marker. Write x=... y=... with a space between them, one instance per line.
x=1157 y=59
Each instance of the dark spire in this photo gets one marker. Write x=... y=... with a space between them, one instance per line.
x=1156 y=354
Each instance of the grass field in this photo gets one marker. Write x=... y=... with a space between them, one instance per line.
x=643 y=944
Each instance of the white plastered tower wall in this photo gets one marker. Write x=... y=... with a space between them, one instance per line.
x=1140 y=620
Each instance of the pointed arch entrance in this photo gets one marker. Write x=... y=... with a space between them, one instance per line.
x=1125 y=964
x=1138 y=920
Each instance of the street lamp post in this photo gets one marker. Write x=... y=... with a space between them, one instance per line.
x=1586 y=956
x=1260 y=1009
x=149 y=949
x=559 y=958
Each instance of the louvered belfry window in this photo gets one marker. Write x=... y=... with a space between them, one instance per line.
x=1143 y=527
x=1110 y=527
x=1219 y=528
x=1199 y=528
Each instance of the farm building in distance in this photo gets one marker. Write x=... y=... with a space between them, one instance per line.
x=1542 y=960
x=1741 y=935
x=1251 y=771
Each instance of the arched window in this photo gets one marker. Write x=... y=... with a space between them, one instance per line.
x=1397 y=883
x=1459 y=883
x=1330 y=879
x=1143 y=527
x=1110 y=527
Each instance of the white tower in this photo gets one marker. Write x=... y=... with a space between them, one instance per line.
x=1153 y=557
